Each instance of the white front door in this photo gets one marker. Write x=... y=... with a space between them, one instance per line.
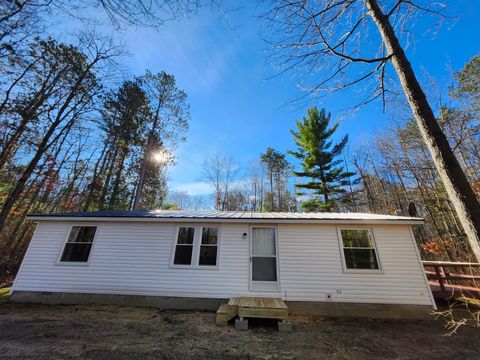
x=263 y=258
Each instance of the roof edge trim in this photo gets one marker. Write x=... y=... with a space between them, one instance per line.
x=409 y=221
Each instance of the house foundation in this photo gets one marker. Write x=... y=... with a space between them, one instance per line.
x=379 y=311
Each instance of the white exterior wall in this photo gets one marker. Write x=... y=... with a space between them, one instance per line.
x=311 y=267
x=134 y=258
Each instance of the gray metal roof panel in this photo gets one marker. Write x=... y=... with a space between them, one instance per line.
x=178 y=214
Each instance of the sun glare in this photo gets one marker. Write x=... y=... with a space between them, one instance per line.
x=160 y=156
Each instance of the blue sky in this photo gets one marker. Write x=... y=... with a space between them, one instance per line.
x=236 y=111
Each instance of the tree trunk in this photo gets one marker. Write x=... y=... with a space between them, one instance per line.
x=22 y=181
x=141 y=181
x=366 y=186
x=112 y=205
x=272 y=200
x=325 y=197
x=452 y=175
x=350 y=185
x=106 y=184
x=386 y=203
x=29 y=112
x=141 y=176
x=8 y=149
x=255 y=195
x=279 y=191
x=101 y=160
x=143 y=168
x=44 y=145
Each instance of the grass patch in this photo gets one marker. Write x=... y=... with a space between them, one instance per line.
x=4 y=295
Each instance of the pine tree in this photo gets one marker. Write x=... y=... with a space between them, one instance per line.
x=277 y=168
x=124 y=119
x=168 y=123
x=318 y=158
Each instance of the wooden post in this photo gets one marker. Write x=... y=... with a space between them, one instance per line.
x=440 y=273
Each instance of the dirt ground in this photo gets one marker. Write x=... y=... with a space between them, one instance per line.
x=119 y=332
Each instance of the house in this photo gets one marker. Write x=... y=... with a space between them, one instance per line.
x=319 y=263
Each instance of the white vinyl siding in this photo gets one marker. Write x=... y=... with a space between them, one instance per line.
x=136 y=258
x=311 y=269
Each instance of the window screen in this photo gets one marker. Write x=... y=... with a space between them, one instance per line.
x=358 y=249
x=184 y=247
x=264 y=269
x=79 y=243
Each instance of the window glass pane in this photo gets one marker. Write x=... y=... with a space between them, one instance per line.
x=264 y=269
x=76 y=252
x=263 y=241
x=72 y=237
x=208 y=255
x=183 y=255
x=356 y=238
x=209 y=236
x=360 y=259
x=83 y=234
x=185 y=235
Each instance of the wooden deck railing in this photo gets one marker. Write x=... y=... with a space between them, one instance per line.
x=448 y=286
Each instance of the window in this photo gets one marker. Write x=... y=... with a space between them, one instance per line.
x=359 y=249
x=208 y=247
x=184 y=247
x=196 y=246
x=79 y=243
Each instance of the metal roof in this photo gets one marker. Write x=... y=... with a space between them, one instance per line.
x=225 y=216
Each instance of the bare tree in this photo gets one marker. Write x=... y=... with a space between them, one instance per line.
x=184 y=201
x=151 y=13
x=220 y=172
x=331 y=35
x=19 y=21
x=73 y=97
x=146 y=13
x=256 y=182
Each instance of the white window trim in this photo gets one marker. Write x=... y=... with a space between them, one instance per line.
x=264 y=286
x=62 y=249
x=197 y=242
x=177 y=230
x=342 y=254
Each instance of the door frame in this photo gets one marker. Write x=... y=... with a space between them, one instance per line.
x=263 y=285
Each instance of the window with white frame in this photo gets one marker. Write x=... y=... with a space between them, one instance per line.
x=196 y=246
x=79 y=244
x=359 y=249
x=208 y=246
x=184 y=247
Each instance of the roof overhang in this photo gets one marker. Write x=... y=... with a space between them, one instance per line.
x=132 y=219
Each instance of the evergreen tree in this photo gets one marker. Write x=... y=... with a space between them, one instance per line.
x=167 y=123
x=318 y=158
x=124 y=119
